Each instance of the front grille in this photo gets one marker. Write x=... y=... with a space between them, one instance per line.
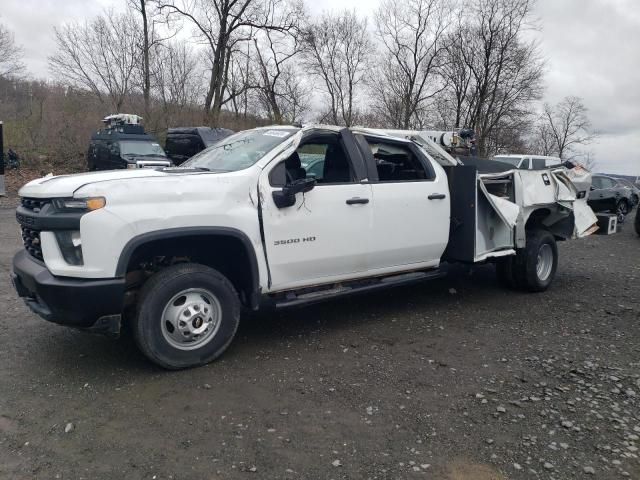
x=28 y=220
x=34 y=203
x=31 y=239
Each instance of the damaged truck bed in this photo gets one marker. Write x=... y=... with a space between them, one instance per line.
x=490 y=212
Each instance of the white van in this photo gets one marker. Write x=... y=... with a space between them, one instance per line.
x=529 y=162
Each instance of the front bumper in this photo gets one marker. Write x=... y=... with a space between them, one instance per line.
x=83 y=303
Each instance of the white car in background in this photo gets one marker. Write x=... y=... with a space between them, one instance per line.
x=529 y=162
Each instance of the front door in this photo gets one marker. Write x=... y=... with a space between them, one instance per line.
x=325 y=236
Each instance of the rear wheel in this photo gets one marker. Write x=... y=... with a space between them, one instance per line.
x=187 y=316
x=622 y=209
x=533 y=267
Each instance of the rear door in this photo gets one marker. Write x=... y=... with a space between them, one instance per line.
x=326 y=235
x=412 y=205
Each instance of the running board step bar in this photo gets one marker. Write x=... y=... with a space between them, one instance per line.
x=293 y=299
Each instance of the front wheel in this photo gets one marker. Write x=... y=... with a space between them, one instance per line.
x=187 y=316
x=533 y=267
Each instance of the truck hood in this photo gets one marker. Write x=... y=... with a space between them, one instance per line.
x=65 y=185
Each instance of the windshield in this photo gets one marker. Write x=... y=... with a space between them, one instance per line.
x=141 y=149
x=239 y=151
x=515 y=161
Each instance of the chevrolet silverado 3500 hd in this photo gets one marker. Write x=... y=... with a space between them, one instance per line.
x=178 y=252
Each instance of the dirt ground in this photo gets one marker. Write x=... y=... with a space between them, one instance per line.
x=456 y=379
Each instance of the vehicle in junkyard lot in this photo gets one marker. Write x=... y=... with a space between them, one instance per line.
x=182 y=143
x=123 y=143
x=632 y=187
x=179 y=251
x=607 y=194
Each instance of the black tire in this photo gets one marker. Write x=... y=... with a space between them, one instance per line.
x=622 y=207
x=525 y=264
x=154 y=298
x=637 y=222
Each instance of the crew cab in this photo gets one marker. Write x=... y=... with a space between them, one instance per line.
x=179 y=252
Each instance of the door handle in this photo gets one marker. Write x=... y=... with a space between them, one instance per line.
x=437 y=196
x=357 y=200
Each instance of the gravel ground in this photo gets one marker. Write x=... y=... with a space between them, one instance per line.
x=455 y=379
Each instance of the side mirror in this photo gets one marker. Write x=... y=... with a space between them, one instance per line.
x=592 y=188
x=287 y=196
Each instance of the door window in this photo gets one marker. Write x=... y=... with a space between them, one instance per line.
x=538 y=164
x=397 y=163
x=608 y=183
x=325 y=160
x=596 y=182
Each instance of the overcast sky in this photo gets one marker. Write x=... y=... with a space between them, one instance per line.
x=592 y=50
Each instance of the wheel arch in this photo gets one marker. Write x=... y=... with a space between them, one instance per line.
x=545 y=218
x=201 y=245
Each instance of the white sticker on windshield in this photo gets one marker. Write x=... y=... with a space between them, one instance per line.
x=276 y=133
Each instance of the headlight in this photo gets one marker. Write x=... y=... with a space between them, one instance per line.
x=70 y=246
x=132 y=165
x=93 y=203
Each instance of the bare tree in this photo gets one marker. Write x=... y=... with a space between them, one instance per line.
x=452 y=105
x=241 y=82
x=10 y=54
x=499 y=73
x=412 y=35
x=222 y=25
x=543 y=142
x=100 y=55
x=278 y=86
x=149 y=39
x=338 y=50
x=175 y=78
x=567 y=125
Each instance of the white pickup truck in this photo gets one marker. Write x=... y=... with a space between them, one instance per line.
x=280 y=217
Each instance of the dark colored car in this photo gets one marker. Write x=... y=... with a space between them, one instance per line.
x=609 y=195
x=637 y=222
x=126 y=146
x=635 y=190
x=184 y=142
